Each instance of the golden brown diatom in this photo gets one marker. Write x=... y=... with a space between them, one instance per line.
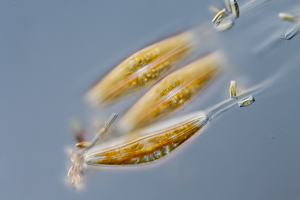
x=148 y=148
x=141 y=68
x=171 y=93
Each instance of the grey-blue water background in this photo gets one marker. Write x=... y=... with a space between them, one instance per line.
x=49 y=49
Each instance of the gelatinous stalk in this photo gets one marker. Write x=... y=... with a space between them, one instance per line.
x=106 y=126
x=172 y=92
x=75 y=173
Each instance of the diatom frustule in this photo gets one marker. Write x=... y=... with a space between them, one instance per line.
x=148 y=148
x=142 y=68
x=172 y=92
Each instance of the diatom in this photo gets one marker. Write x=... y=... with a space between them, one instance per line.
x=153 y=146
x=219 y=17
x=234 y=8
x=154 y=142
x=141 y=68
x=286 y=16
x=82 y=144
x=246 y=102
x=232 y=89
x=148 y=144
x=172 y=92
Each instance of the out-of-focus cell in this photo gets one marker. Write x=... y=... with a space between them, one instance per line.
x=227 y=5
x=172 y=92
x=246 y=102
x=287 y=16
x=234 y=8
x=82 y=144
x=215 y=9
x=232 y=89
x=142 y=68
x=219 y=17
x=77 y=130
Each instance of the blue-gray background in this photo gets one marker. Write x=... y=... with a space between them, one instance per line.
x=52 y=50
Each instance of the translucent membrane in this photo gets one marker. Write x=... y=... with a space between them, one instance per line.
x=142 y=68
x=172 y=92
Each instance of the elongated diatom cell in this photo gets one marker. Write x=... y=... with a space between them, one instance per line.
x=148 y=148
x=141 y=68
x=171 y=93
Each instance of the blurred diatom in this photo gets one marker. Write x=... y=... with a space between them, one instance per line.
x=292 y=31
x=230 y=12
x=232 y=89
x=142 y=68
x=234 y=8
x=172 y=92
x=246 y=102
x=287 y=16
x=219 y=17
x=82 y=144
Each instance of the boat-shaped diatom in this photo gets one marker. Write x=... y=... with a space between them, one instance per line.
x=172 y=92
x=149 y=148
x=142 y=68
